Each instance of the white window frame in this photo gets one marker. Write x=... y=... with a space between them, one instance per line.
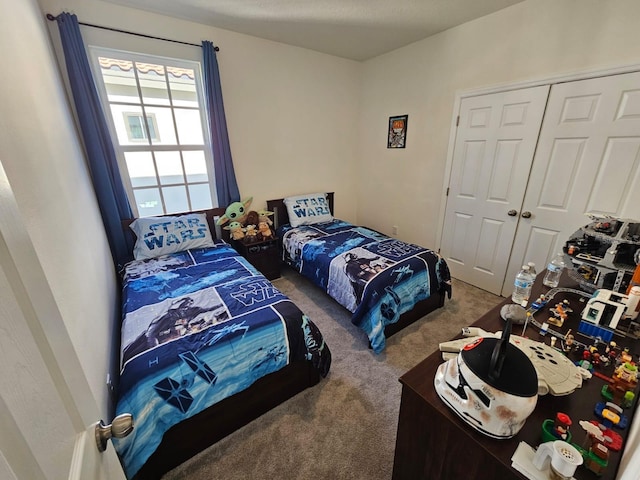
x=94 y=53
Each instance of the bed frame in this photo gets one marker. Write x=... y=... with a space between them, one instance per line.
x=186 y=439
x=422 y=308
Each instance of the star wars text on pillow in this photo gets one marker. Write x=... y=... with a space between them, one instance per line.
x=308 y=209
x=162 y=235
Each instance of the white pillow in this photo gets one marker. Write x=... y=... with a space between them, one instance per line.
x=308 y=209
x=156 y=236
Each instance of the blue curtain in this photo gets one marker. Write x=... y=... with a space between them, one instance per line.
x=226 y=184
x=103 y=165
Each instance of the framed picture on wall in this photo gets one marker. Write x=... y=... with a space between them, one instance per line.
x=397 y=131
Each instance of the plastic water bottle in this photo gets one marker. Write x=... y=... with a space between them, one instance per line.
x=522 y=286
x=532 y=270
x=554 y=270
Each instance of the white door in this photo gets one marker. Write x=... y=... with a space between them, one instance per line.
x=46 y=411
x=494 y=147
x=587 y=160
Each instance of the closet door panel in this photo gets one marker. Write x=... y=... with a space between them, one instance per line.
x=540 y=244
x=493 y=151
x=565 y=157
x=587 y=160
x=460 y=225
x=616 y=177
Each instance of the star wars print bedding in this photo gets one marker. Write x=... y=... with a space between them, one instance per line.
x=199 y=326
x=377 y=278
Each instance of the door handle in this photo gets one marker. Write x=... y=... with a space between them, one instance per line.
x=512 y=213
x=526 y=214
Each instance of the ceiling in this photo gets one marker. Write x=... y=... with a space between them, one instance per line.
x=354 y=29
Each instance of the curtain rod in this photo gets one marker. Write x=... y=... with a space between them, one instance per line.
x=51 y=18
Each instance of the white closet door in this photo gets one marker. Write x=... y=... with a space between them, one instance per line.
x=587 y=160
x=494 y=148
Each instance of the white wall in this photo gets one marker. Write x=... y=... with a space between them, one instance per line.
x=531 y=40
x=57 y=282
x=291 y=113
x=45 y=167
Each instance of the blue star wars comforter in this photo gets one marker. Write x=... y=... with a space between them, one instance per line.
x=375 y=277
x=199 y=326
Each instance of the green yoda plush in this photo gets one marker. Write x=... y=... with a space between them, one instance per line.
x=263 y=216
x=235 y=212
x=236 y=231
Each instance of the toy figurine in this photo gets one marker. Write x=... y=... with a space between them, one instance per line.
x=264 y=230
x=540 y=302
x=595 y=359
x=561 y=426
x=235 y=212
x=623 y=357
x=250 y=234
x=623 y=383
x=263 y=216
x=568 y=342
x=235 y=230
x=560 y=313
x=557 y=429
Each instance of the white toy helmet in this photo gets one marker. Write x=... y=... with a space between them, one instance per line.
x=491 y=384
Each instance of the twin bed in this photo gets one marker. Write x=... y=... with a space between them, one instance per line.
x=385 y=283
x=208 y=344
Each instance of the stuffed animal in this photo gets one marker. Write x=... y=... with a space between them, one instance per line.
x=251 y=218
x=250 y=234
x=264 y=230
x=236 y=230
x=263 y=216
x=235 y=212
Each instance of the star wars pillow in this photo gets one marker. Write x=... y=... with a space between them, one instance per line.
x=156 y=236
x=308 y=209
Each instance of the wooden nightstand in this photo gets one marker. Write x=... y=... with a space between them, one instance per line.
x=264 y=255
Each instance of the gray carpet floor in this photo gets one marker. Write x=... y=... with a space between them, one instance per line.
x=344 y=427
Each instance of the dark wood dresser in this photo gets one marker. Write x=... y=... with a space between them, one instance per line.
x=434 y=443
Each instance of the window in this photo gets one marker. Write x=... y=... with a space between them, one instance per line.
x=157 y=120
x=137 y=130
